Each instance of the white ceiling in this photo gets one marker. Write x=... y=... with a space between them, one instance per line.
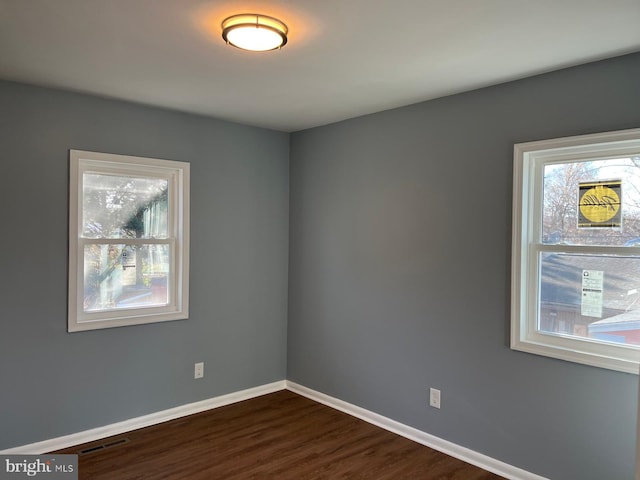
x=344 y=58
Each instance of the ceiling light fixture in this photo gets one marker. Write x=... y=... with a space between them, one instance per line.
x=251 y=31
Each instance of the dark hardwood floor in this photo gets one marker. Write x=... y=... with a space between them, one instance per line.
x=277 y=436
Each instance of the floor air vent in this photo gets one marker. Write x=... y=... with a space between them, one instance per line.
x=104 y=446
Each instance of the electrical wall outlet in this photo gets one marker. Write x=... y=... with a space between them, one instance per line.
x=434 y=397
x=198 y=370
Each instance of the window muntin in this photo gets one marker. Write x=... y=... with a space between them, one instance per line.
x=128 y=242
x=575 y=280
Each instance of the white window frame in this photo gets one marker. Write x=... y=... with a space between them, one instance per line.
x=529 y=161
x=178 y=176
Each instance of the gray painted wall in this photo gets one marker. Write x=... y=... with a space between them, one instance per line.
x=399 y=270
x=53 y=383
x=400 y=234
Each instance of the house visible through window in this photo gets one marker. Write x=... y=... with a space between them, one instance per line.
x=576 y=249
x=128 y=261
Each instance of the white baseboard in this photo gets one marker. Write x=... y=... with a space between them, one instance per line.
x=444 y=446
x=119 y=428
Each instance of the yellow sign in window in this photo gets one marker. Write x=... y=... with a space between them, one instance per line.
x=599 y=204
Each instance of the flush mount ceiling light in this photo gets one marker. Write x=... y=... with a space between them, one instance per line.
x=251 y=31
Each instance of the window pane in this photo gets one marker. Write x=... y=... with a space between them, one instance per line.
x=590 y=296
x=592 y=203
x=125 y=276
x=116 y=206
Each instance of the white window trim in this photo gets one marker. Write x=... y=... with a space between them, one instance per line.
x=527 y=197
x=178 y=175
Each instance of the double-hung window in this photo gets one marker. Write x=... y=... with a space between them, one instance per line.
x=128 y=240
x=576 y=249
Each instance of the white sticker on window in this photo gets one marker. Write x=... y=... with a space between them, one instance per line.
x=592 y=285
